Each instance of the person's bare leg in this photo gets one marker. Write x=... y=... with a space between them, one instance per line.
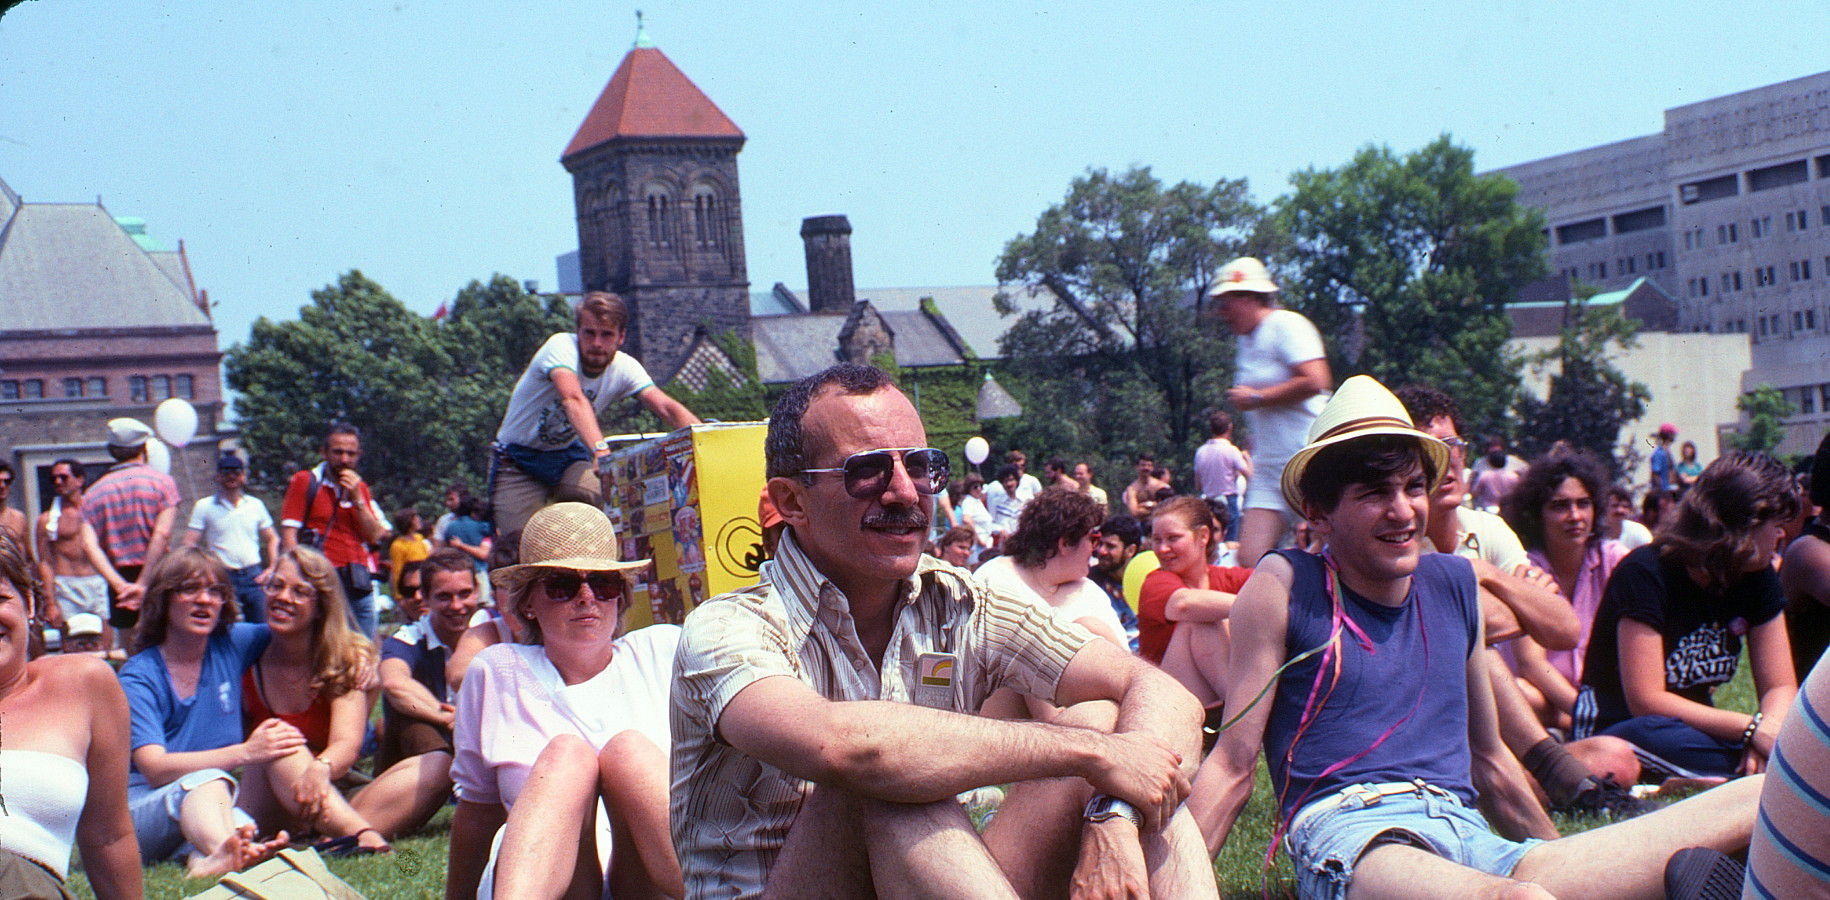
x=1627 y=859
x=557 y=809
x=238 y=851
x=633 y=778
x=1260 y=532
x=206 y=817
x=1197 y=657
x=1035 y=836
x=1177 y=860
x=1401 y=872
x=843 y=845
x=407 y=795
x=333 y=818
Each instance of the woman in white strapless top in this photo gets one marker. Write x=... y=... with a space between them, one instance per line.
x=64 y=762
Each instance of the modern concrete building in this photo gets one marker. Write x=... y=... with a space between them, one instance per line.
x=97 y=320
x=1728 y=210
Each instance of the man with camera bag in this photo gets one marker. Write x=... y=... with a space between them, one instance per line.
x=328 y=507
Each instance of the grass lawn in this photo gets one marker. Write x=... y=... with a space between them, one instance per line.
x=416 y=868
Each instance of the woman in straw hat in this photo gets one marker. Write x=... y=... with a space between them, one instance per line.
x=1282 y=380
x=547 y=729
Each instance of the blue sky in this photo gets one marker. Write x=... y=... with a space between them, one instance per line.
x=419 y=141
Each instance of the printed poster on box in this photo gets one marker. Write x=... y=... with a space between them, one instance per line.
x=688 y=501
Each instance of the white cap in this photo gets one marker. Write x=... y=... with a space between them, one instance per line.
x=83 y=624
x=126 y=432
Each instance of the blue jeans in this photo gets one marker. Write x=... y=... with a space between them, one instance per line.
x=1326 y=844
x=362 y=613
x=1674 y=744
x=250 y=596
x=1232 y=517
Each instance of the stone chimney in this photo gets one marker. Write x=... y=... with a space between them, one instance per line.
x=828 y=240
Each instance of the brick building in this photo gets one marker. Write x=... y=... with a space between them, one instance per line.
x=97 y=320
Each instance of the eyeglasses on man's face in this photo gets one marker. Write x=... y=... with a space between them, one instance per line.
x=868 y=474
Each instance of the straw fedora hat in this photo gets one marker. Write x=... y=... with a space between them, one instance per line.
x=1362 y=407
x=564 y=536
x=1243 y=274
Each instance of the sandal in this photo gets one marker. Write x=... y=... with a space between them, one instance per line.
x=349 y=845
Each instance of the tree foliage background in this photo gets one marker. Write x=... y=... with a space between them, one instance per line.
x=426 y=394
x=1427 y=253
x=1588 y=399
x=1766 y=407
x=1119 y=361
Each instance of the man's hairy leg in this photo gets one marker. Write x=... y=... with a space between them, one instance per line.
x=1627 y=859
x=843 y=845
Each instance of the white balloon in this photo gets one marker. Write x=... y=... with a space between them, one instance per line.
x=159 y=456
x=977 y=449
x=176 y=421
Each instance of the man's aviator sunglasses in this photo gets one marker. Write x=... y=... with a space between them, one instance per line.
x=868 y=474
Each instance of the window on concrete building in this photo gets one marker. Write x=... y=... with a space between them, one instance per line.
x=1823 y=396
x=1640 y=220
x=73 y=388
x=1810 y=320
x=9 y=389
x=96 y=386
x=184 y=386
x=136 y=388
x=1765 y=276
x=1807 y=401
x=1577 y=232
x=1728 y=233
x=161 y=387
x=1798 y=221
x=1709 y=189
x=32 y=389
x=1765 y=179
x=1626 y=265
x=1735 y=278
x=1759 y=227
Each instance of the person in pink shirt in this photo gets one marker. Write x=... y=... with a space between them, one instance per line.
x=1555 y=511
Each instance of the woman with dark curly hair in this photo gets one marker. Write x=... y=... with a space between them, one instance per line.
x=1672 y=620
x=1046 y=560
x=1556 y=510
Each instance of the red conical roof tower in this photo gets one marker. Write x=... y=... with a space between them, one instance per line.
x=649 y=97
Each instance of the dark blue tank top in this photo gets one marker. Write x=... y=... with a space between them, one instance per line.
x=1377 y=689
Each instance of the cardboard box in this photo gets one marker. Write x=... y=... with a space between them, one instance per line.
x=689 y=502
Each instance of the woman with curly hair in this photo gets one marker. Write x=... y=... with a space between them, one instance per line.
x=1672 y=620
x=64 y=763
x=1556 y=510
x=317 y=676
x=1045 y=561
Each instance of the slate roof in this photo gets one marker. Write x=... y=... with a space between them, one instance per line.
x=649 y=97
x=967 y=309
x=1643 y=300
x=789 y=348
x=70 y=265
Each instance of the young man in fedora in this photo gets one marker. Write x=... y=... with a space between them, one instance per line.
x=825 y=720
x=1382 y=741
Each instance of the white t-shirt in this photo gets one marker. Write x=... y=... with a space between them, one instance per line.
x=231 y=533
x=1269 y=356
x=537 y=418
x=1633 y=534
x=1081 y=601
x=1483 y=535
x=1004 y=508
x=1217 y=467
x=513 y=703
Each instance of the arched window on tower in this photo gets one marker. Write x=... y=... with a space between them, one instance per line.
x=708 y=222
x=660 y=221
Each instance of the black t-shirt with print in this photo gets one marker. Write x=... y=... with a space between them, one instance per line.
x=1702 y=631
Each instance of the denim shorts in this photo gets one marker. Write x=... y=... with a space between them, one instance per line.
x=1326 y=844
x=155 y=813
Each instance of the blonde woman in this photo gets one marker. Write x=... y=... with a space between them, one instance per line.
x=317 y=675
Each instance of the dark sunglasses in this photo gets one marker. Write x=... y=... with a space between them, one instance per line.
x=867 y=474
x=408 y=590
x=563 y=585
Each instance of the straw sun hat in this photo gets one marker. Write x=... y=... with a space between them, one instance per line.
x=1362 y=407
x=563 y=536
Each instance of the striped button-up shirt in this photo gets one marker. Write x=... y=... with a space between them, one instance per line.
x=954 y=642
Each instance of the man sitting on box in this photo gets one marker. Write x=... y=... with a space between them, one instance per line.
x=549 y=444
x=825 y=719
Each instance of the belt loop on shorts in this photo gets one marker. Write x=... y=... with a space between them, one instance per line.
x=1370 y=794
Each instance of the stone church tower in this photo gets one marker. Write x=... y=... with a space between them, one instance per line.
x=660 y=222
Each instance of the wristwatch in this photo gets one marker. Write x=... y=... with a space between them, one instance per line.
x=1103 y=807
x=602 y=445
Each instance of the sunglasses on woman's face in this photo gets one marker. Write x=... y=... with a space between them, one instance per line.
x=868 y=474
x=563 y=585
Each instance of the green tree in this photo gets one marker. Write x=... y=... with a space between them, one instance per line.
x=427 y=394
x=1588 y=400
x=356 y=354
x=1766 y=407
x=1423 y=253
x=1119 y=361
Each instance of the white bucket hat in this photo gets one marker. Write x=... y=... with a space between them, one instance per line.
x=1362 y=407
x=1243 y=274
